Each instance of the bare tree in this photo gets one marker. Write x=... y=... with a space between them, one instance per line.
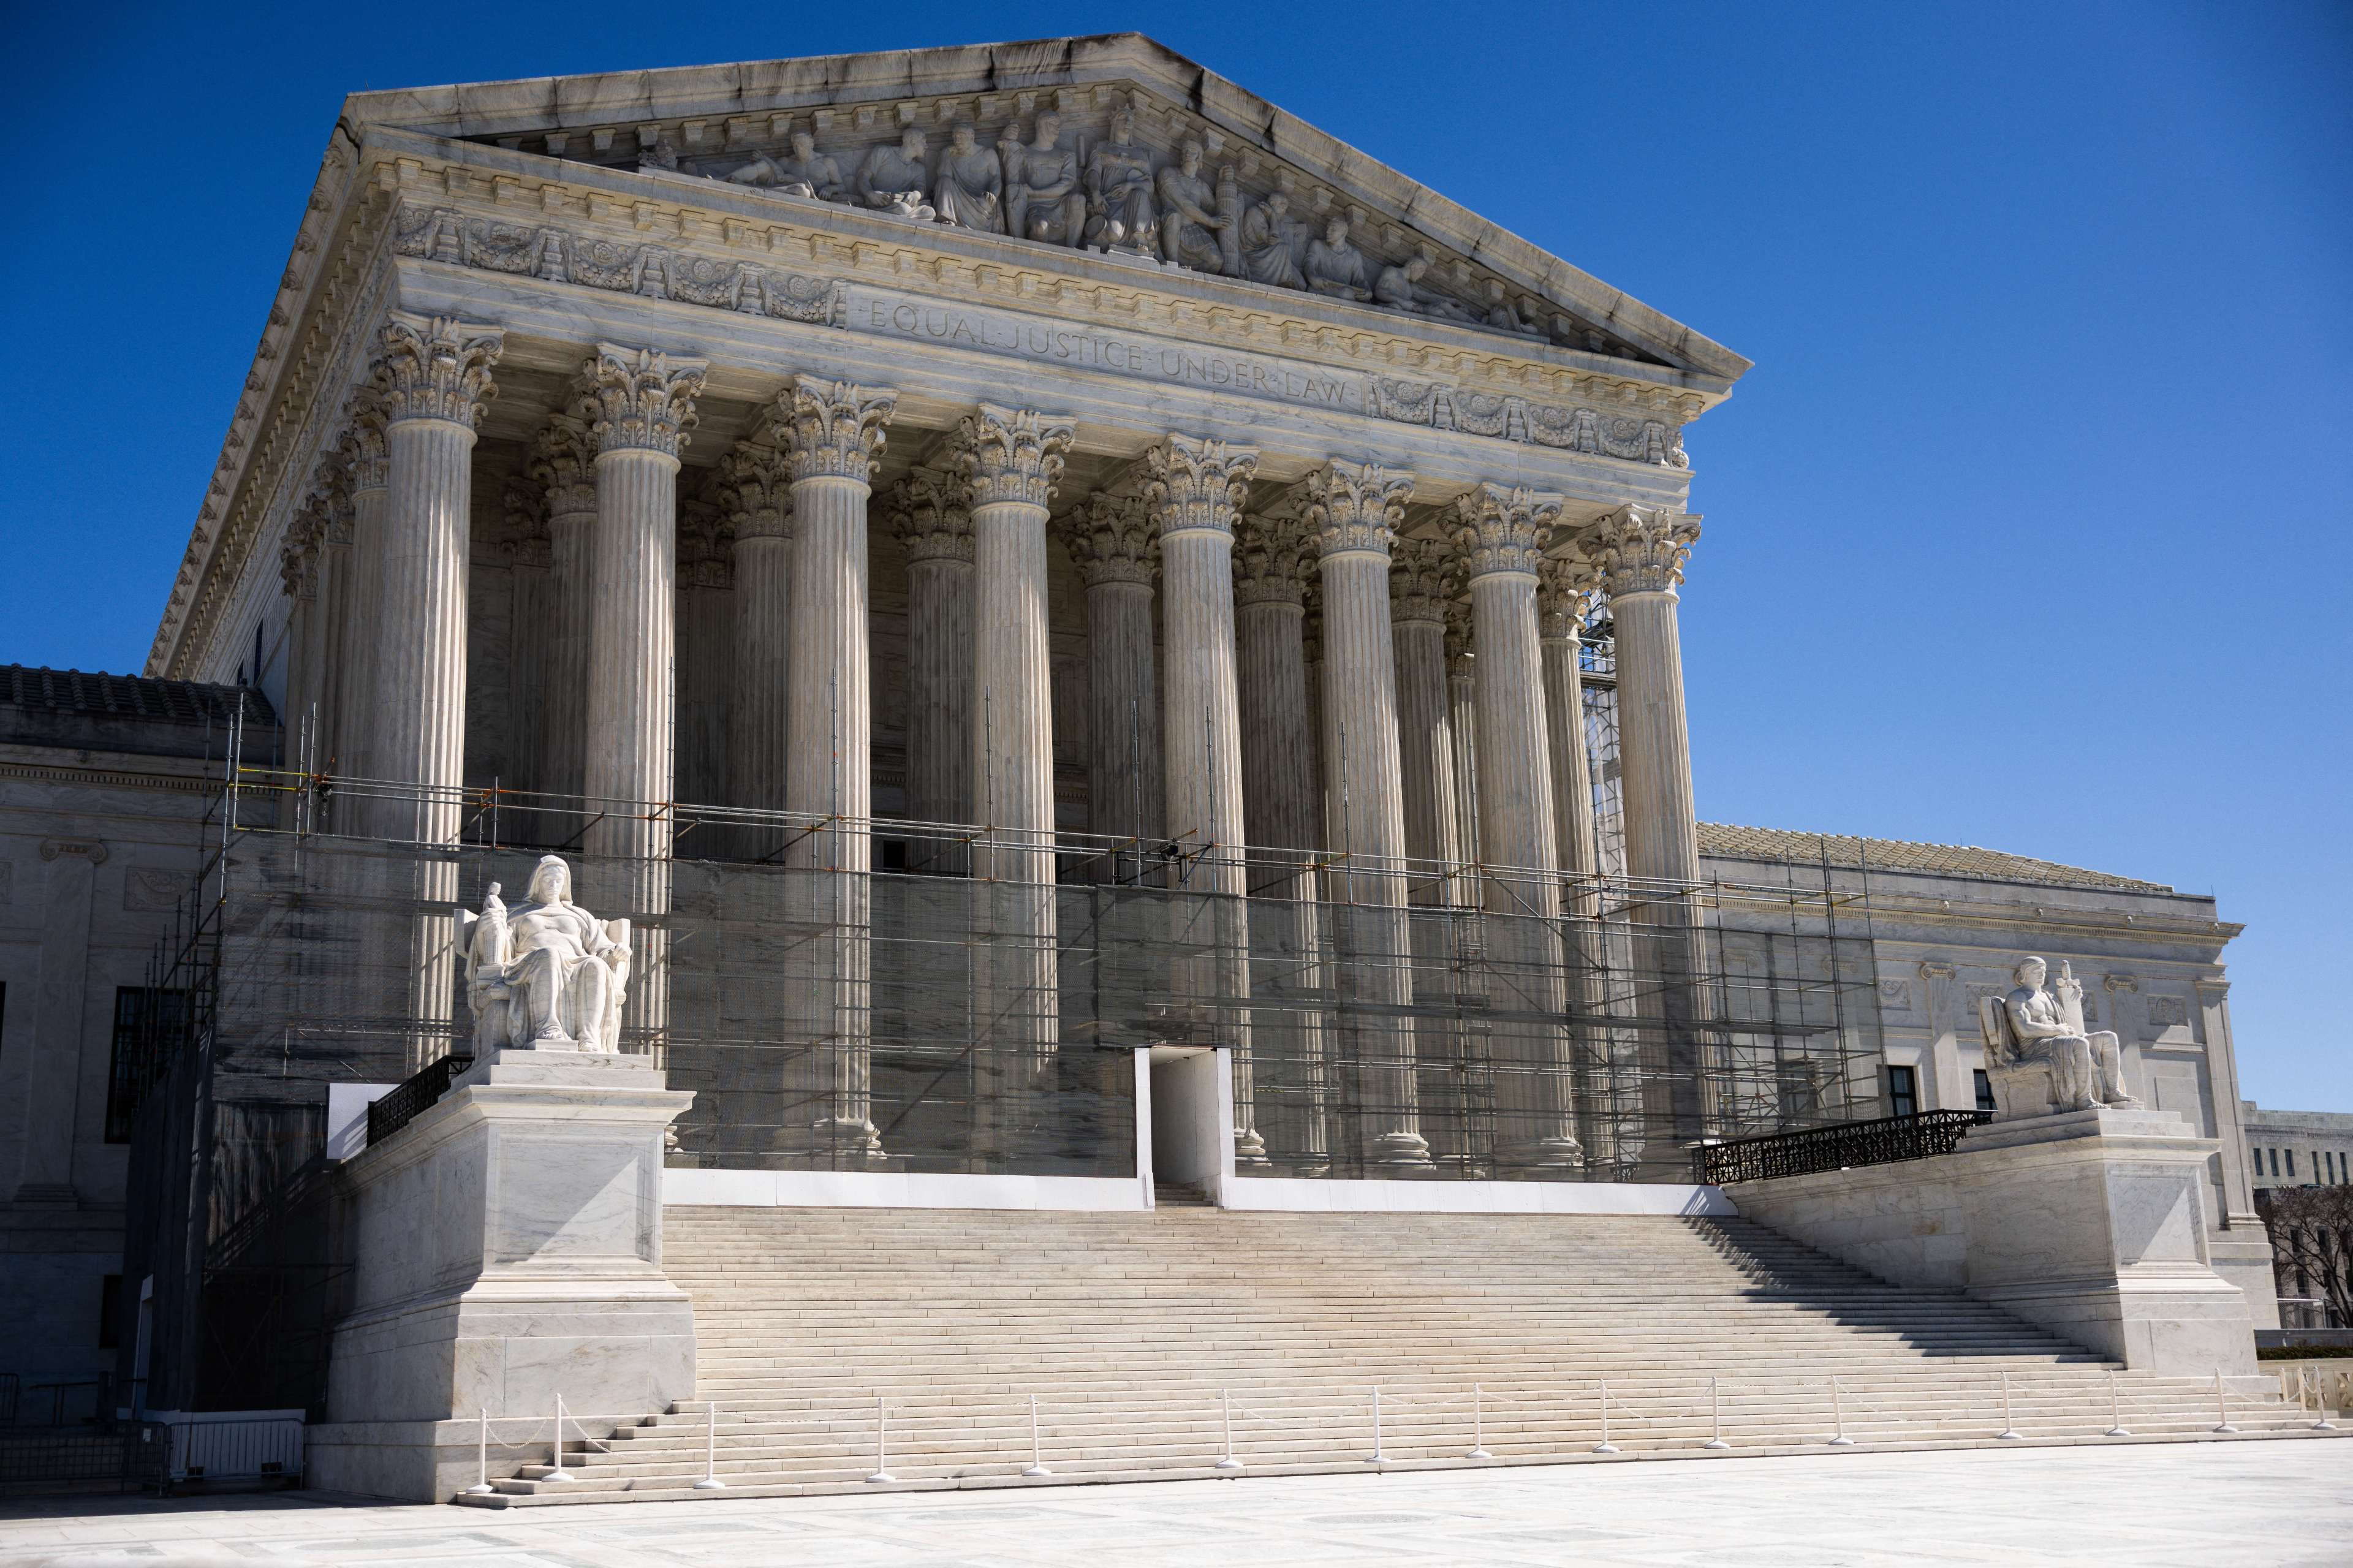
x=2312 y=1244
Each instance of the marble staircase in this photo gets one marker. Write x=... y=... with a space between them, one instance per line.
x=1147 y=1339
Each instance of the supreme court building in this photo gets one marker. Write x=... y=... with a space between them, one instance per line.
x=1080 y=644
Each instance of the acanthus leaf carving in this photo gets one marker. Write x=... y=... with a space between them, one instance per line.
x=1012 y=454
x=833 y=428
x=643 y=399
x=1356 y=506
x=1197 y=484
x=1503 y=528
x=437 y=367
x=1642 y=550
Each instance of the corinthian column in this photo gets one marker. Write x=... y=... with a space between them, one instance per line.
x=351 y=748
x=1462 y=730
x=1503 y=533
x=759 y=511
x=300 y=566
x=1195 y=490
x=1284 y=1089
x=1566 y=591
x=1355 y=512
x=564 y=460
x=1641 y=554
x=831 y=432
x=1418 y=594
x=642 y=403
x=1110 y=538
x=932 y=514
x=436 y=373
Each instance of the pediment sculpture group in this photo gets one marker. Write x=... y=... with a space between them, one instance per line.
x=1109 y=197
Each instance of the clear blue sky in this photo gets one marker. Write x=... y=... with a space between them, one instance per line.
x=2029 y=530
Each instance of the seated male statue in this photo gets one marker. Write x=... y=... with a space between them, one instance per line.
x=2040 y=1032
x=807 y=172
x=549 y=977
x=894 y=179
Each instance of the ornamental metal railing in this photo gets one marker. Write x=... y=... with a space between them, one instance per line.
x=415 y=1097
x=1884 y=1141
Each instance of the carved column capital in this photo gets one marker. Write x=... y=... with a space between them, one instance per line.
x=438 y=367
x=642 y=400
x=1641 y=549
x=833 y=428
x=564 y=460
x=706 y=547
x=297 y=555
x=1111 y=540
x=1418 y=580
x=525 y=525
x=361 y=448
x=1460 y=658
x=1568 y=590
x=1197 y=485
x=1273 y=558
x=928 y=511
x=752 y=487
x=1356 y=506
x=1012 y=453
x=1500 y=529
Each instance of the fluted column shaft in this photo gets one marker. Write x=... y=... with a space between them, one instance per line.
x=1196 y=492
x=1566 y=593
x=565 y=462
x=759 y=506
x=355 y=705
x=831 y=431
x=1355 y=511
x=1425 y=714
x=1111 y=540
x=1503 y=533
x=1462 y=731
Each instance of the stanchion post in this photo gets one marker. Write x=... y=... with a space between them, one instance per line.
x=710 y=1481
x=1037 y=1457
x=2223 y=1403
x=1377 y=1456
x=2115 y=1408
x=1478 y=1425
x=2319 y=1398
x=481 y=1487
x=881 y=1441
x=2009 y=1432
x=1226 y=1407
x=558 y=1473
x=1716 y=1443
x=1839 y=1439
x=1604 y=1446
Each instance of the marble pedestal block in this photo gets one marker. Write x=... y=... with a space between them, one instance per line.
x=2088 y=1224
x=506 y=1249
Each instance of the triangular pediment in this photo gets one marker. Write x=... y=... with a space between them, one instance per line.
x=1274 y=184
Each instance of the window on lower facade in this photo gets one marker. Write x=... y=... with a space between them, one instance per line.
x=147 y=1022
x=1985 y=1089
x=1902 y=1091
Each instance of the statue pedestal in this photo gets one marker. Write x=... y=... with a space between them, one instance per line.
x=2087 y=1223
x=506 y=1248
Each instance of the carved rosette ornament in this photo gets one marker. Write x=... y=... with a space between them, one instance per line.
x=1273 y=557
x=1568 y=589
x=928 y=511
x=1641 y=549
x=1111 y=540
x=564 y=460
x=1417 y=579
x=438 y=367
x=1197 y=485
x=1503 y=529
x=1356 y=507
x=642 y=400
x=833 y=428
x=1012 y=454
x=752 y=488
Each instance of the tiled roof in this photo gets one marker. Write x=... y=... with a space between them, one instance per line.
x=128 y=696
x=1781 y=844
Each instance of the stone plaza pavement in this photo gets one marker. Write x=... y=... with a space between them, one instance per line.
x=2197 y=1506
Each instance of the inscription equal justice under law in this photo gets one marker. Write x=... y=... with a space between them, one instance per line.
x=1054 y=343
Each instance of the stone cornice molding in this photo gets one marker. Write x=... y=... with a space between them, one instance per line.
x=438 y=367
x=1012 y=453
x=1273 y=559
x=1197 y=485
x=1568 y=591
x=930 y=514
x=752 y=486
x=1418 y=581
x=1111 y=540
x=642 y=400
x=1504 y=528
x=1354 y=507
x=832 y=428
x=563 y=461
x=1642 y=550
